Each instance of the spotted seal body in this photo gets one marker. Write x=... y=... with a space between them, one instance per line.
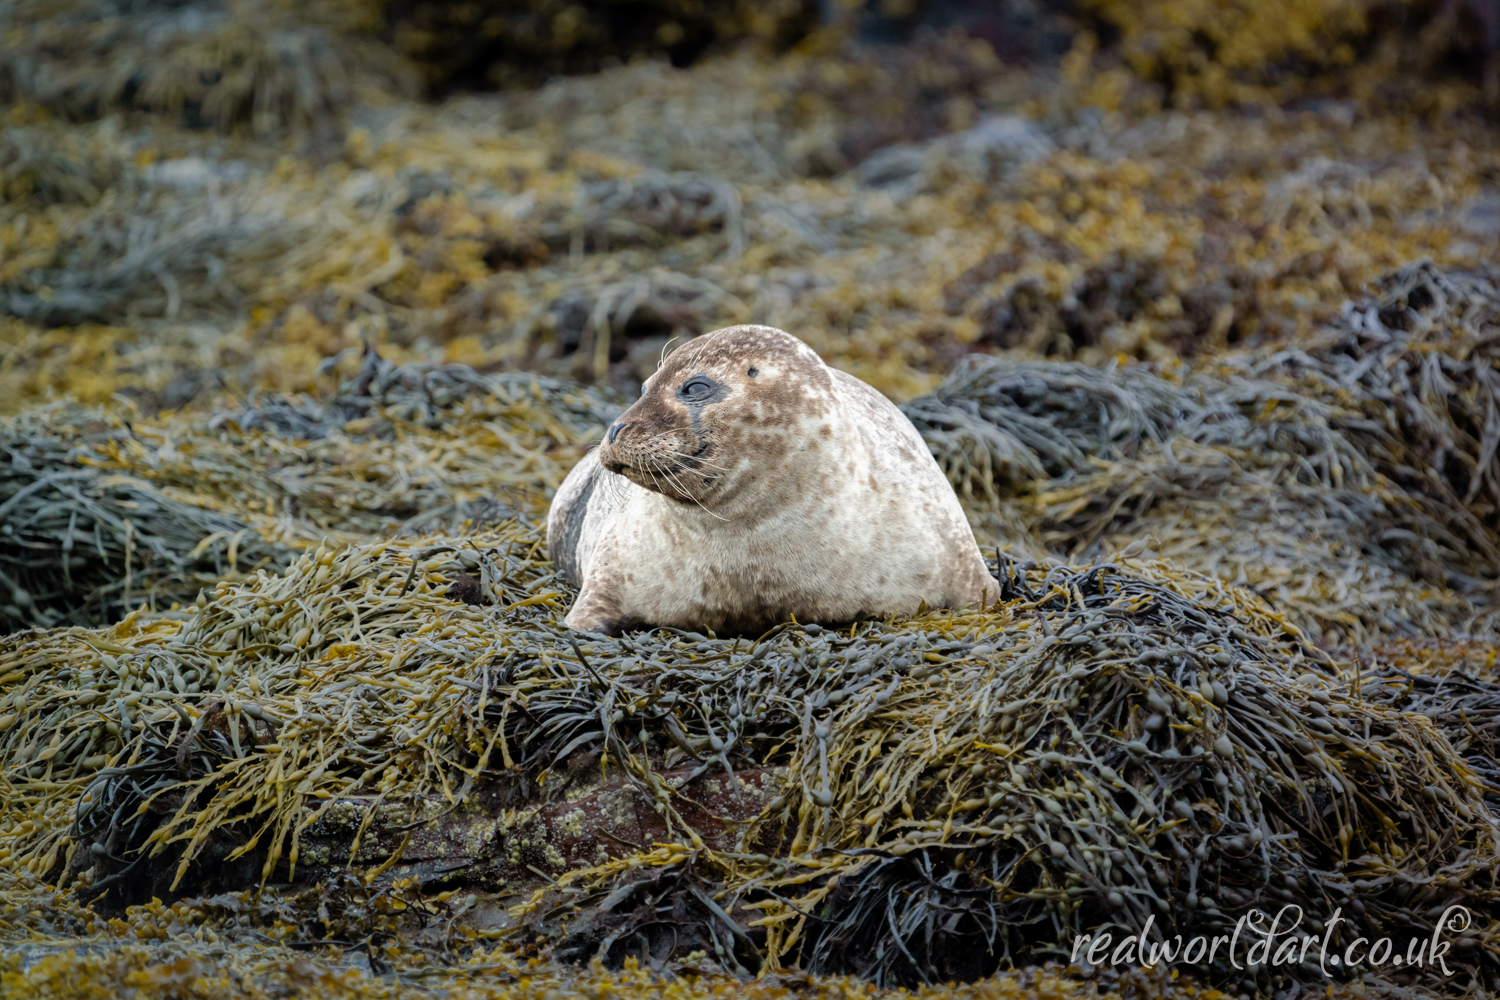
x=751 y=482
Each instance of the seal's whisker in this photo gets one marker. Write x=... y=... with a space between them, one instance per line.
x=702 y=346
x=614 y=488
x=652 y=473
x=695 y=457
x=657 y=483
x=684 y=492
x=664 y=347
x=684 y=459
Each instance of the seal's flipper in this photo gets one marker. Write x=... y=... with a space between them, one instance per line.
x=590 y=613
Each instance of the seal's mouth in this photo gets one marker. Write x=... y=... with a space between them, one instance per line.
x=665 y=478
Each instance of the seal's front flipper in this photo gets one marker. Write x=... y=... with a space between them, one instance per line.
x=591 y=614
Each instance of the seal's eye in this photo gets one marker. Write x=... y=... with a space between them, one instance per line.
x=754 y=372
x=698 y=389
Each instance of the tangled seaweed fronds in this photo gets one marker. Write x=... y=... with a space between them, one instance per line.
x=438 y=397
x=244 y=64
x=1447 y=680
x=39 y=164
x=80 y=545
x=1377 y=438
x=996 y=425
x=1108 y=744
x=102 y=512
x=1232 y=51
x=97 y=258
x=1240 y=774
x=1420 y=358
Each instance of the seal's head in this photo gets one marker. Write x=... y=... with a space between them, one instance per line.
x=730 y=410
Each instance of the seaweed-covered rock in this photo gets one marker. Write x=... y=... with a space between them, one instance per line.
x=1374 y=438
x=79 y=545
x=242 y=64
x=924 y=798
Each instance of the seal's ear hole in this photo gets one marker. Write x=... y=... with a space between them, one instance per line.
x=754 y=372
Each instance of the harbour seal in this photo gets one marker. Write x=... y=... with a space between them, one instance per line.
x=750 y=483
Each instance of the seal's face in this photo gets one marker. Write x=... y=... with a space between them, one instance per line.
x=724 y=411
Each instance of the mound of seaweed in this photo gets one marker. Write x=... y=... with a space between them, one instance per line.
x=953 y=793
x=241 y=64
x=1222 y=53
x=78 y=544
x=104 y=514
x=435 y=396
x=267 y=67
x=1376 y=433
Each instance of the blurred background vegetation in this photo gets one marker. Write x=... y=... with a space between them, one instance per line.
x=205 y=197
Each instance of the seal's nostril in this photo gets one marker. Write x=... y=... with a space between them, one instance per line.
x=614 y=431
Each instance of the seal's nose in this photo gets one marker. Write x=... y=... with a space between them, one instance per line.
x=614 y=431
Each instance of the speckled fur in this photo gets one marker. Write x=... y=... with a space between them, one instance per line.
x=802 y=491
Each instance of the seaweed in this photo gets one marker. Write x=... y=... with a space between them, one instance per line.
x=1219 y=386
x=79 y=545
x=1126 y=741
x=1376 y=433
